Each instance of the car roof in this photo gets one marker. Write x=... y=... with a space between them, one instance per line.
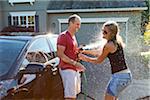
x=26 y=36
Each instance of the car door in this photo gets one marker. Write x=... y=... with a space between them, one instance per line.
x=46 y=80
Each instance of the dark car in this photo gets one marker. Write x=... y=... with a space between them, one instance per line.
x=28 y=67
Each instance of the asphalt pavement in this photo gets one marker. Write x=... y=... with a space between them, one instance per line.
x=137 y=90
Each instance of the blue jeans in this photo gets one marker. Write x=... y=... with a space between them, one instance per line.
x=118 y=82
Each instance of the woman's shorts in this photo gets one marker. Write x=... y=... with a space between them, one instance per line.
x=118 y=82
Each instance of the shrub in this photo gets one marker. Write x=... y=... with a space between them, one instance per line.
x=17 y=29
x=147 y=37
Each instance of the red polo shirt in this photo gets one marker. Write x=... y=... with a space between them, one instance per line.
x=71 y=49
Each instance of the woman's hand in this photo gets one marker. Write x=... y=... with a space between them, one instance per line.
x=82 y=57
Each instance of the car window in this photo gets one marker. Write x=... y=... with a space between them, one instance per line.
x=53 y=44
x=9 y=51
x=39 y=51
x=40 y=45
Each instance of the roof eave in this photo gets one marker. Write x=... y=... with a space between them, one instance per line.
x=98 y=10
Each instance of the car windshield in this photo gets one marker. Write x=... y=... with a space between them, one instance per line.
x=9 y=51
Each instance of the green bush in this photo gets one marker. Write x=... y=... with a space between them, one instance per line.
x=146 y=56
x=147 y=37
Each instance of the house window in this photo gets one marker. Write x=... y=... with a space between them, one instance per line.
x=21 y=1
x=24 y=19
x=15 y=20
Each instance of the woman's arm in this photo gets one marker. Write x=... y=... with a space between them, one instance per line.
x=94 y=52
x=106 y=50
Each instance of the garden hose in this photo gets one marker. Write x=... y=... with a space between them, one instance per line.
x=85 y=86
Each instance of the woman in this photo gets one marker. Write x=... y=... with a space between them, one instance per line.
x=113 y=49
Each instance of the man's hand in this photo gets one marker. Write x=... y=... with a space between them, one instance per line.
x=80 y=67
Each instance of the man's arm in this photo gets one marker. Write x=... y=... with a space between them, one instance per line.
x=60 y=53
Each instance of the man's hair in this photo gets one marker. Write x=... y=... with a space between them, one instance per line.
x=73 y=17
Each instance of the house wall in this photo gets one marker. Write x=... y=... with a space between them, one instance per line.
x=38 y=6
x=1 y=14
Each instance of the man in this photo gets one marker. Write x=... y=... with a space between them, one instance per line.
x=67 y=50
